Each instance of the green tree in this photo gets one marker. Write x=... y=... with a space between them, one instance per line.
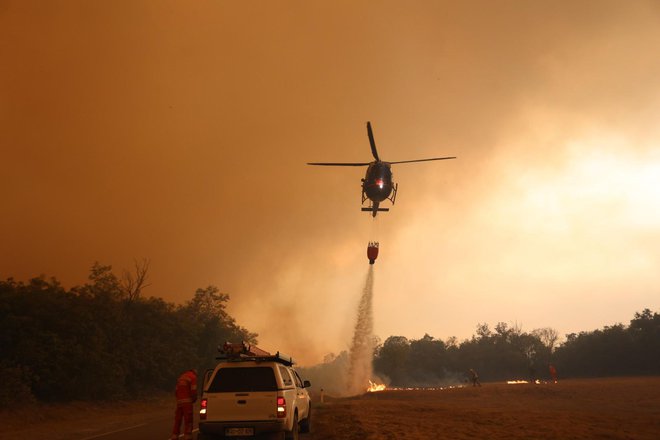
x=427 y=361
x=210 y=324
x=392 y=359
x=100 y=341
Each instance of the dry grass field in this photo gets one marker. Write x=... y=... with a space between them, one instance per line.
x=613 y=408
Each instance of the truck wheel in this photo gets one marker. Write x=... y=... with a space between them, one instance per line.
x=306 y=424
x=294 y=433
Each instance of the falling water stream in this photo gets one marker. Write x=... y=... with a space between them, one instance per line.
x=362 y=348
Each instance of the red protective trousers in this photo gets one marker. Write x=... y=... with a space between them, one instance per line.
x=183 y=411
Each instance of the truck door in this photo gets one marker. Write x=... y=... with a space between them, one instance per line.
x=302 y=395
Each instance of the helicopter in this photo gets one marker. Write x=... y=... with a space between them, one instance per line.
x=377 y=185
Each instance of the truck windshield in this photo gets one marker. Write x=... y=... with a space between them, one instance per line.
x=230 y=380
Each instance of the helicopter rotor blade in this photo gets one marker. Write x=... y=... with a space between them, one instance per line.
x=423 y=160
x=372 y=141
x=339 y=164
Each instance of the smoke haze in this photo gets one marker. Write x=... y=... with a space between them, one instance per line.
x=179 y=132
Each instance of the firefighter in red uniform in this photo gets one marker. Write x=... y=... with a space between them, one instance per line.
x=186 y=395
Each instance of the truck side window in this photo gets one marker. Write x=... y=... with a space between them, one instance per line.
x=207 y=376
x=286 y=377
x=299 y=382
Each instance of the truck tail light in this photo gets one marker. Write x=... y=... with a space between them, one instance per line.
x=202 y=409
x=281 y=407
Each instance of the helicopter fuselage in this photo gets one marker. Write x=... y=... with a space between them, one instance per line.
x=377 y=183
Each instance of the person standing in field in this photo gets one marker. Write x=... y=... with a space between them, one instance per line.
x=553 y=373
x=186 y=395
x=474 y=377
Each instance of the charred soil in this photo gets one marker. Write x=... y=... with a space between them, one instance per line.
x=613 y=408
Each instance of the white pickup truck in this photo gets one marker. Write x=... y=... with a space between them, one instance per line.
x=254 y=395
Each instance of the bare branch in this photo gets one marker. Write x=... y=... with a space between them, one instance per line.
x=133 y=283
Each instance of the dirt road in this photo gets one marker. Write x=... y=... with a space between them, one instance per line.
x=138 y=420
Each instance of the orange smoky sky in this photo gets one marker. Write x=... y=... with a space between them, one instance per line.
x=179 y=131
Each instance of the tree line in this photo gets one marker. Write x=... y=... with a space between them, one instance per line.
x=104 y=340
x=508 y=353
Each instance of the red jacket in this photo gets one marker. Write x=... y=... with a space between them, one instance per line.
x=186 y=388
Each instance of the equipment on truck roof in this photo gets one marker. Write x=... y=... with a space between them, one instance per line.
x=242 y=351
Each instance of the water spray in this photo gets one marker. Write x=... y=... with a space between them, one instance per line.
x=361 y=353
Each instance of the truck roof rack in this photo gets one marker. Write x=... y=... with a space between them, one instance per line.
x=278 y=357
x=237 y=352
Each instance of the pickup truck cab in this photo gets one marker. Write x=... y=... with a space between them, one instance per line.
x=253 y=395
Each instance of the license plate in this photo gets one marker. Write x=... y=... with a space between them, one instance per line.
x=233 y=432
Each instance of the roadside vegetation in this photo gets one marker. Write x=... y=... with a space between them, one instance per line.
x=103 y=340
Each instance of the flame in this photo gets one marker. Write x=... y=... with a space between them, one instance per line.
x=373 y=387
x=449 y=387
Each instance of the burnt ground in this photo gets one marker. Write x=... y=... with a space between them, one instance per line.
x=612 y=408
